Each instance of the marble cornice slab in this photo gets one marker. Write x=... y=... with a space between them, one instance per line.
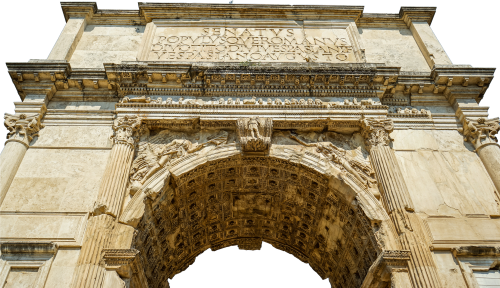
x=462 y=75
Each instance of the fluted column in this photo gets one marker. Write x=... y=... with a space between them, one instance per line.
x=397 y=202
x=481 y=133
x=97 y=237
x=111 y=193
x=114 y=182
x=22 y=129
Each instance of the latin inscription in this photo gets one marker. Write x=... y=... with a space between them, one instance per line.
x=250 y=44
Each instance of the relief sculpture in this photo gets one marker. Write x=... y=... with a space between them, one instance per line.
x=255 y=133
x=359 y=169
x=153 y=156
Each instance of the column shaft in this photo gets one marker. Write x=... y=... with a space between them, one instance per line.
x=22 y=128
x=10 y=160
x=396 y=198
x=89 y=273
x=481 y=133
x=397 y=202
x=114 y=182
x=490 y=156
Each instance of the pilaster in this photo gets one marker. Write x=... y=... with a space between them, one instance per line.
x=418 y=19
x=76 y=15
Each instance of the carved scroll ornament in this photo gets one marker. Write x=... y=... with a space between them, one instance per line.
x=255 y=133
x=22 y=128
x=126 y=130
x=481 y=131
x=376 y=131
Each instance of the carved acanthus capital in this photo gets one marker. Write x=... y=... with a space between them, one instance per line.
x=127 y=130
x=255 y=133
x=481 y=131
x=376 y=131
x=22 y=128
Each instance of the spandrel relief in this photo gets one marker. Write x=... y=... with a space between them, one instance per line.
x=157 y=150
x=344 y=152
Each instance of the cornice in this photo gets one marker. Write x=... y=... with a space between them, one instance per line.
x=414 y=14
x=153 y=11
x=148 y=12
x=78 y=9
x=38 y=76
x=220 y=79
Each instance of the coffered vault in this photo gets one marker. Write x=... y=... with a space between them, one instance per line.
x=347 y=139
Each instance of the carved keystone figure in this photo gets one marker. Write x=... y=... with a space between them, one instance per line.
x=253 y=127
x=255 y=133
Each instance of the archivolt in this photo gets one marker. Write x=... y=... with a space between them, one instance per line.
x=295 y=201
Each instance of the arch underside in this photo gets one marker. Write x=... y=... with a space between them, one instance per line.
x=244 y=200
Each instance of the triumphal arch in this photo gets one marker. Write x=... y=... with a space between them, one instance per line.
x=347 y=139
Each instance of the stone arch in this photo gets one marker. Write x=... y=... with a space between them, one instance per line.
x=293 y=200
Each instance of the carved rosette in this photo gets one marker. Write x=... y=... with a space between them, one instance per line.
x=22 y=128
x=481 y=131
x=255 y=133
x=376 y=131
x=127 y=130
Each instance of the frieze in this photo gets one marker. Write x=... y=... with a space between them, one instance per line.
x=254 y=103
x=408 y=112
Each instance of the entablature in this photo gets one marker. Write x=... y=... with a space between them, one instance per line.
x=205 y=79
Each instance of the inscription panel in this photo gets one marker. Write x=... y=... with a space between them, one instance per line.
x=317 y=42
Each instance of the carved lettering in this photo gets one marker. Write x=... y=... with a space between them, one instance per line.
x=255 y=44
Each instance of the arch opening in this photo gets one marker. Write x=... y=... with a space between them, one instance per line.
x=246 y=200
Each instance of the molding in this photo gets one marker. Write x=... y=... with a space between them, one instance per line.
x=26 y=247
x=78 y=9
x=219 y=79
x=476 y=251
x=36 y=255
x=151 y=11
x=417 y=14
